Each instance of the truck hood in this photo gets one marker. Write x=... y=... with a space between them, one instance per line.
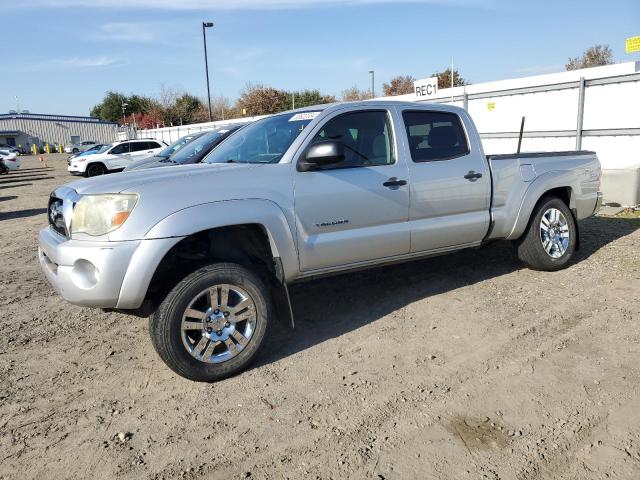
x=136 y=180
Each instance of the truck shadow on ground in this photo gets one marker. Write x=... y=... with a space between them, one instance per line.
x=23 y=178
x=22 y=213
x=330 y=307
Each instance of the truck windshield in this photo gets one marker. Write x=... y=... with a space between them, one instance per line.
x=264 y=141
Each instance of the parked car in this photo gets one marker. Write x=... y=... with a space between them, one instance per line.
x=11 y=148
x=167 y=152
x=114 y=158
x=192 y=152
x=209 y=249
x=79 y=147
x=90 y=151
x=10 y=160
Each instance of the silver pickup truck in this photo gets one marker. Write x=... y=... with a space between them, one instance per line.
x=207 y=250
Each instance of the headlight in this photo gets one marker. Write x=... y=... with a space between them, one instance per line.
x=100 y=214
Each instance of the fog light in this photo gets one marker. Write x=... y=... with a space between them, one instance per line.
x=84 y=274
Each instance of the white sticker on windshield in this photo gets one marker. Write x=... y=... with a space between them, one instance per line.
x=304 y=116
x=223 y=131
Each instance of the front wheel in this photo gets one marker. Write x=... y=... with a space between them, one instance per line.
x=95 y=169
x=213 y=323
x=550 y=239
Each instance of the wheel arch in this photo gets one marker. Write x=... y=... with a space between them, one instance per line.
x=557 y=184
x=259 y=238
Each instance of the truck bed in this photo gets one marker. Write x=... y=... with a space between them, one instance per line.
x=519 y=180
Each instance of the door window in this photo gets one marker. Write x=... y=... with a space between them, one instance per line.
x=366 y=136
x=434 y=136
x=120 y=149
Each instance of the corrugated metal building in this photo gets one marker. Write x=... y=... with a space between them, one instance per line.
x=26 y=129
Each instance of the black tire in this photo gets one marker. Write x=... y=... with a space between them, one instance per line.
x=165 y=324
x=95 y=169
x=75 y=150
x=530 y=247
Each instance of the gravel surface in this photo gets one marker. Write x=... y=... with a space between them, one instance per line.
x=461 y=366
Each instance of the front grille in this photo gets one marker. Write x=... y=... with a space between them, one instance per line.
x=56 y=218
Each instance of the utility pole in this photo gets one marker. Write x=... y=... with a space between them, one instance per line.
x=206 y=63
x=373 y=83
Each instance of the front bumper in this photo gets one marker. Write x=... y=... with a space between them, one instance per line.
x=85 y=273
x=101 y=274
x=75 y=169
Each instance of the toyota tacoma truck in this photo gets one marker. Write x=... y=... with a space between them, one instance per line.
x=207 y=251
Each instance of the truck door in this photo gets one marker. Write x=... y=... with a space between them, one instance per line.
x=356 y=210
x=450 y=182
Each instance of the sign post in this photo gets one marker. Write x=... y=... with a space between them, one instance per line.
x=426 y=88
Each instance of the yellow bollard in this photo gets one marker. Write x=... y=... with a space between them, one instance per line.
x=47 y=148
x=60 y=148
x=34 y=149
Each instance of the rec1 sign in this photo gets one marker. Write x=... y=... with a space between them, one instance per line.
x=426 y=88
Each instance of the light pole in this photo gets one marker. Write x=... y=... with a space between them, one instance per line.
x=206 y=25
x=124 y=118
x=373 y=83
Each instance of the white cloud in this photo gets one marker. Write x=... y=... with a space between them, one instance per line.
x=127 y=32
x=82 y=62
x=230 y=4
x=74 y=63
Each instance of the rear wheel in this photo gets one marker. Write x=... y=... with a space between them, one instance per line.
x=550 y=239
x=95 y=169
x=213 y=323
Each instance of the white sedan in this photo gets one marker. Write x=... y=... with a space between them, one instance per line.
x=10 y=160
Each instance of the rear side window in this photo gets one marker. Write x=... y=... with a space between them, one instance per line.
x=434 y=136
x=139 y=146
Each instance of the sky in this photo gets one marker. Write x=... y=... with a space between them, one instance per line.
x=61 y=56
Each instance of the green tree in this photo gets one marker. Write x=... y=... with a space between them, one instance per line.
x=400 y=85
x=184 y=110
x=308 y=98
x=444 y=79
x=595 y=56
x=110 y=109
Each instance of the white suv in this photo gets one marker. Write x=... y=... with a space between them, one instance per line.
x=114 y=157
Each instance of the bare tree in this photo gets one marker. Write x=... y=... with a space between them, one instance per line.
x=400 y=85
x=595 y=56
x=354 y=93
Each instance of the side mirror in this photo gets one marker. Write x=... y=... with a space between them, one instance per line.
x=323 y=153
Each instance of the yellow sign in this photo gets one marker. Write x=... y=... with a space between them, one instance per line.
x=632 y=44
x=491 y=106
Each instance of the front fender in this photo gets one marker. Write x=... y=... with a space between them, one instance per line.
x=228 y=213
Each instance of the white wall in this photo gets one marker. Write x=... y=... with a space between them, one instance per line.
x=611 y=106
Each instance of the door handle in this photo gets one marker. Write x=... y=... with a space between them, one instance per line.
x=473 y=176
x=394 y=182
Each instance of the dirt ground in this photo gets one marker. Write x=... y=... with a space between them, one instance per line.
x=456 y=367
